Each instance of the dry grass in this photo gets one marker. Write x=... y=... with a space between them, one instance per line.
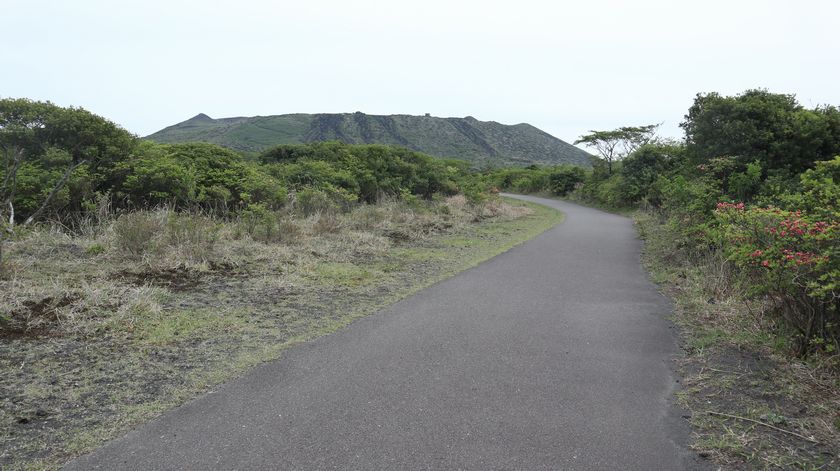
x=62 y=282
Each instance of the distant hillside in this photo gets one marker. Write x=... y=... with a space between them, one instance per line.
x=481 y=142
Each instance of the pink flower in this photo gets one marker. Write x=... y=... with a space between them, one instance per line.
x=724 y=205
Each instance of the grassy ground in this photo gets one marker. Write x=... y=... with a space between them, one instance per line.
x=752 y=404
x=128 y=317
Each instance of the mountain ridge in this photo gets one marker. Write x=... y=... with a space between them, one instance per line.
x=484 y=143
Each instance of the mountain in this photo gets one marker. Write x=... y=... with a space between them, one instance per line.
x=480 y=142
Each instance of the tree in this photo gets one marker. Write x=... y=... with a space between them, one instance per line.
x=642 y=169
x=43 y=131
x=619 y=143
x=44 y=147
x=770 y=128
x=12 y=162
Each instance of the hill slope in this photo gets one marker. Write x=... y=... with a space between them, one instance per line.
x=480 y=142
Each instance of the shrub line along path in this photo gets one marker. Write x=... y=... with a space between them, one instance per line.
x=554 y=355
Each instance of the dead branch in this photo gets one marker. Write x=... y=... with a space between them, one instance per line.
x=721 y=414
x=55 y=190
x=11 y=175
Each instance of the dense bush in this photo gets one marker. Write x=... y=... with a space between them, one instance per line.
x=369 y=172
x=753 y=185
x=194 y=175
x=641 y=171
x=559 y=180
x=264 y=225
x=791 y=257
x=564 y=179
x=50 y=140
x=84 y=158
x=757 y=125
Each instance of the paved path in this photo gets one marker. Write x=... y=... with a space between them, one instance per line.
x=554 y=355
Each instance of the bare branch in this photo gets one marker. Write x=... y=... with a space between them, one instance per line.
x=12 y=166
x=55 y=190
x=746 y=419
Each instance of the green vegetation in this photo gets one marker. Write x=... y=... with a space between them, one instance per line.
x=481 y=143
x=757 y=183
x=558 y=181
x=161 y=269
x=85 y=158
x=741 y=225
x=366 y=173
x=619 y=143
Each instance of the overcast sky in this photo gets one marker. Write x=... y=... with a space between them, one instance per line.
x=565 y=67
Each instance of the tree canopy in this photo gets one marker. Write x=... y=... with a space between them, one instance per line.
x=772 y=129
x=614 y=145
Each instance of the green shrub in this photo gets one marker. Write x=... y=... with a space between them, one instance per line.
x=690 y=200
x=52 y=139
x=155 y=180
x=791 y=258
x=742 y=186
x=264 y=225
x=312 y=201
x=475 y=196
x=95 y=249
x=258 y=222
x=608 y=191
x=257 y=186
x=563 y=180
x=821 y=189
x=195 y=175
x=367 y=172
x=773 y=129
x=641 y=170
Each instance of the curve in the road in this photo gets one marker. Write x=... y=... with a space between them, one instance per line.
x=554 y=355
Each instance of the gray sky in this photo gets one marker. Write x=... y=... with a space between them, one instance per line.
x=565 y=67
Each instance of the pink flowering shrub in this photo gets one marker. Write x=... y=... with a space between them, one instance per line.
x=793 y=259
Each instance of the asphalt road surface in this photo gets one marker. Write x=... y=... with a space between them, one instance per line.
x=556 y=355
